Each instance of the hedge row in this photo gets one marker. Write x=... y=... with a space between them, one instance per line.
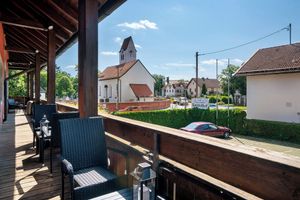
x=177 y=118
x=273 y=130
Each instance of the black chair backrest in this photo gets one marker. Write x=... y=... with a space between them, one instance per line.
x=41 y=110
x=55 y=133
x=83 y=142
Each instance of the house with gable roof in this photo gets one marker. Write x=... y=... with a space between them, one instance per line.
x=273 y=83
x=129 y=80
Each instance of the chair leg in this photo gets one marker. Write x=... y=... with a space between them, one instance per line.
x=33 y=142
x=41 y=150
x=62 y=185
x=51 y=157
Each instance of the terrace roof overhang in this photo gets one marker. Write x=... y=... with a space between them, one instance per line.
x=26 y=24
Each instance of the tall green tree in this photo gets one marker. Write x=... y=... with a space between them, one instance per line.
x=17 y=85
x=64 y=87
x=203 y=89
x=236 y=82
x=159 y=83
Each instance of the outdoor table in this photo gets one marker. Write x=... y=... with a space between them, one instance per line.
x=124 y=194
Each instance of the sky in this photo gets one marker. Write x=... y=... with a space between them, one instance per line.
x=168 y=33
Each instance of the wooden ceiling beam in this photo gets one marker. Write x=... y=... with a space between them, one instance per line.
x=65 y=9
x=23 y=38
x=19 y=50
x=19 y=22
x=12 y=63
x=48 y=11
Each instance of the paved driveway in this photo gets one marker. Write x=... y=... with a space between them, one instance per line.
x=282 y=147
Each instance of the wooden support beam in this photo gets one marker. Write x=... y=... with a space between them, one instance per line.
x=88 y=57
x=12 y=63
x=51 y=67
x=20 y=50
x=37 y=77
x=31 y=85
x=24 y=23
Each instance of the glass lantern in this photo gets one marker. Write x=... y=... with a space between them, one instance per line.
x=44 y=124
x=143 y=182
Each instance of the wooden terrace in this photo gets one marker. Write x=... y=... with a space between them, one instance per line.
x=189 y=166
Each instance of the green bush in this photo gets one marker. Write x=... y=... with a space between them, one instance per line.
x=177 y=118
x=224 y=99
x=212 y=99
x=273 y=130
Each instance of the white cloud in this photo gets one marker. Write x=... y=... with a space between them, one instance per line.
x=70 y=67
x=109 y=53
x=137 y=46
x=180 y=65
x=142 y=24
x=236 y=61
x=118 y=39
x=222 y=62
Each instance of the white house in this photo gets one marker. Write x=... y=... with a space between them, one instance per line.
x=174 y=88
x=273 y=83
x=128 y=81
x=212 y=86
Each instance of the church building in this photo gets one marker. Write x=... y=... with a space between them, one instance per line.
x=128 y=81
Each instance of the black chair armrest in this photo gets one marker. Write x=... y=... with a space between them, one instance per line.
x=67 y=167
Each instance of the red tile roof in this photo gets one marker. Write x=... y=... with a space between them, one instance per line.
x=209 y=83
x=113 y=72
x=279 y=59
x=141 y=90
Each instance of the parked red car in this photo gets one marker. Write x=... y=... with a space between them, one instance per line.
x=207 y=128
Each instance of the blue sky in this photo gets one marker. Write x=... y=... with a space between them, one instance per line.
x=168 y=33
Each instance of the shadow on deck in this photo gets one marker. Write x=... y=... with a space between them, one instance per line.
x=21 y=175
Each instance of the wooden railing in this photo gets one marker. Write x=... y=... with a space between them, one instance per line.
x=208 y=166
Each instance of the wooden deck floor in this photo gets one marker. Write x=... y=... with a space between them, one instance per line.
x=21 y=175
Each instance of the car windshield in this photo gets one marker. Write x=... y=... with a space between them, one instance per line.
x=191 y=126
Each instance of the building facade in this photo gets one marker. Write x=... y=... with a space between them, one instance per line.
x=128 y=81
x=273 y=84
x=212 y=86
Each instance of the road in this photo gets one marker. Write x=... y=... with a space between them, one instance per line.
x=273 y=145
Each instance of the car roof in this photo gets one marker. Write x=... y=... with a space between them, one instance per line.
x=202 y=123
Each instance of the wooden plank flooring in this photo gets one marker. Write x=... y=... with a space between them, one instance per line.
x=21 y=175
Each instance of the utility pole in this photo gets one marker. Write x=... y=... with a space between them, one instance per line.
x=197 y=55
x=217 y=107
x=290 y=29
x=228 y=91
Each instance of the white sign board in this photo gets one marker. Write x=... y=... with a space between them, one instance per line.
x=201 y=103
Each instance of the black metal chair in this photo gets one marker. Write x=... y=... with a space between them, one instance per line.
x=84 y=159
x=55 y=131
x=38 y=112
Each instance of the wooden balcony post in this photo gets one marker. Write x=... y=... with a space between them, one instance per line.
x=37 y=77
x=51 y=67
x=31 y=85
x=88 y=57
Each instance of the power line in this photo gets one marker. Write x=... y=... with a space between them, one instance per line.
x=288 y=28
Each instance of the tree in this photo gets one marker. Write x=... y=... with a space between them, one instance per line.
x=204 y=89
x=236 y=83
x=159 y=83
x=64 y=87
x=43 y=79
x=17 y=85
